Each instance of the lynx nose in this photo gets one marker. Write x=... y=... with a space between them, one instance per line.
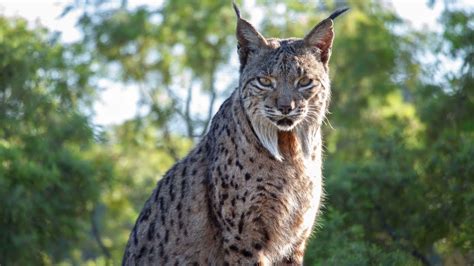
x=285 y=106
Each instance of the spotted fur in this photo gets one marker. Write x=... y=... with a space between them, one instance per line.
x=249 y=192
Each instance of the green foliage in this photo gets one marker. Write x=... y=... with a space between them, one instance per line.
x=140 y=159
x=342 y=242
x=166 y=50
x=48 y=181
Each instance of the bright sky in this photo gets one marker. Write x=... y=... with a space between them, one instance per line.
x=118 y=103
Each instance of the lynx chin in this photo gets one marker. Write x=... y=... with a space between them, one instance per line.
x=250 y=191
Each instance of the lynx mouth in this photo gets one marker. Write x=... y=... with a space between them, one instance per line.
x=285 y=122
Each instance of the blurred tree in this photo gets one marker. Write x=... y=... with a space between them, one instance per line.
x=49 y=181
x=171 y=52
x=140 y=160
x=446 y=105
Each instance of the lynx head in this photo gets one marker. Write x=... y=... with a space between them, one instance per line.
x=284 y=83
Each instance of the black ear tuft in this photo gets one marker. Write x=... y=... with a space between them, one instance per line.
x=236 y=9
x=338 y=12
x=248 y=38
x=322 y=35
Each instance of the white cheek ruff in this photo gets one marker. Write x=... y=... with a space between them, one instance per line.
x=267 y=133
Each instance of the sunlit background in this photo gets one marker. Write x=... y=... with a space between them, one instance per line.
x=118 y=102
x=99 y=98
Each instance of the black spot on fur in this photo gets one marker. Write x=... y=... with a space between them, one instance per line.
x=183 y=187
x=163 y=220
x=246 y=253
x=135 y=238
x=151 y=231
x=141 y=254
x=257 y=246
x=157 y=193
x=145 y=214
x=247 y=176
x=225 y=196
x=241 y=223
x=238 y=164
x=172 y=195
x=211 y=214
x=230 y=222
x=162 y=205
x=234 y=248
x=183 y=173
x=265 y=234
x=278 y=187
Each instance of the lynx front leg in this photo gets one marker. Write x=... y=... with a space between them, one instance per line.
x=297 y=254
x=296 y=258
x=247 y=244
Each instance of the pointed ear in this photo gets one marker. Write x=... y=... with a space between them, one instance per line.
x=248 y=38
x=322 y=35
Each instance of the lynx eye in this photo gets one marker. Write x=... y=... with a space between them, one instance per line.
x=265 y=81
x=304 y=82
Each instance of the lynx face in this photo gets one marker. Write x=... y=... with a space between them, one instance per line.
x=284 y=84
x=287 y=85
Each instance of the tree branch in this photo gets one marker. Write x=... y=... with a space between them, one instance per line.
x=392 y=233
x=96 y=233
x=210 y=111
x=187 y=110
x=169 y=143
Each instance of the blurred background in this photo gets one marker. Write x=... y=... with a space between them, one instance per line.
x=99 y=98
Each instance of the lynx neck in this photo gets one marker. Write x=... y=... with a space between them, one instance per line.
x=288 y=145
